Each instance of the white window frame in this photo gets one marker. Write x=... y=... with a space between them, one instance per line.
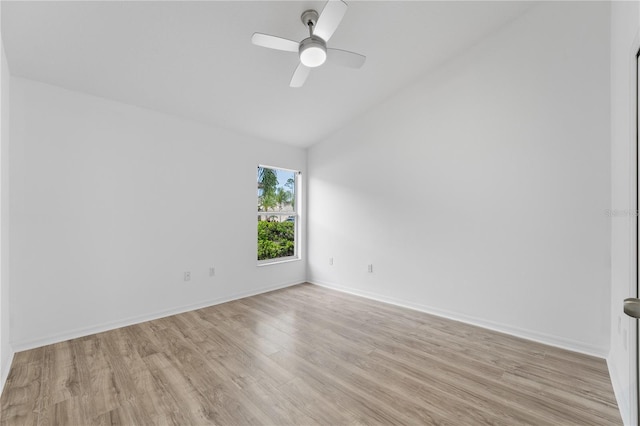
x=295 y=213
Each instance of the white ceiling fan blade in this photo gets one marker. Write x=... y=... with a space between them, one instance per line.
x=299 y=76
x=346 y=58
x=273 y=42
x=329 y=19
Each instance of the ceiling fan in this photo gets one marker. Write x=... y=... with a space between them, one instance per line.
x=313 y=50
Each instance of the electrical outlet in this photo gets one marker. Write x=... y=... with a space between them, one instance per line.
x=370 y=268
x=212 y=271
x=187 y=276
x=331 y=261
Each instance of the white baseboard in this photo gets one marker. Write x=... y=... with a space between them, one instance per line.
x=621 y=394
x=6 y=367
x=535 y=336
x=23 y=345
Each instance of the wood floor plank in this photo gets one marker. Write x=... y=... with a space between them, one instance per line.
x=20 y=400
x=305 y=355
x=342 y=398
x=70 y=411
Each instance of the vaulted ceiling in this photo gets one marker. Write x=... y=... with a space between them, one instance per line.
x=195 y=59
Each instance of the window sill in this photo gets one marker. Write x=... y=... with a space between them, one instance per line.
x=278 y=261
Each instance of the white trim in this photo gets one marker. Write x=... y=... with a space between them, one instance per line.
x=547 y=339
x=277 y=213
x=24 y=345
x=623 y=403
x=627 y=398
x=264 y=166
x=278 y=260
x=631 y=406
x=634 y=415
x=6 y=367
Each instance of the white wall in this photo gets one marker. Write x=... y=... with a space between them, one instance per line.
x=111 y=204
x=6 y=353
x=625 y=24
x=479 y=193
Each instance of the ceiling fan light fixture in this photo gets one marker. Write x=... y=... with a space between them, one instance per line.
x=313 y=52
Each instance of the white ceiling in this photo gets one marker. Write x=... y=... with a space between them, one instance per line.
x=195 y=59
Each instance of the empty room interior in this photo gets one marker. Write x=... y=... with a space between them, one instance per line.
x=445 y=195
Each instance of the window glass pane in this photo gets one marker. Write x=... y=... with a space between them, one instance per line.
x=277 y=218
x=276 y=238
x=276 y=190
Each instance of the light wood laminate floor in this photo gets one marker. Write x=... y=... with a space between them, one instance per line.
x=305 y=355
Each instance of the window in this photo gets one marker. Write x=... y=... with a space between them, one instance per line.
x=278 y=219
